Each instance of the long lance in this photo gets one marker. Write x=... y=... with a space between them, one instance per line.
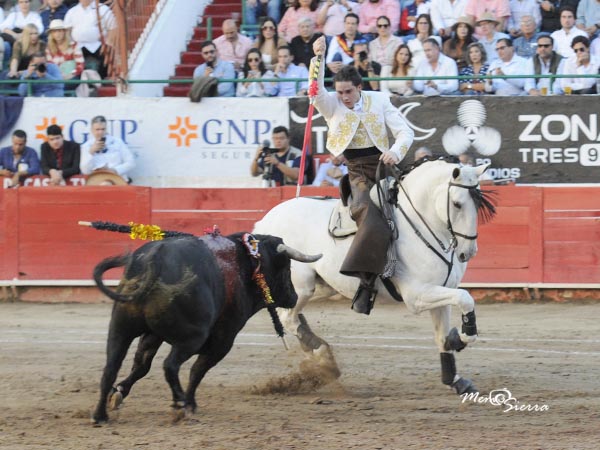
x=313 y=89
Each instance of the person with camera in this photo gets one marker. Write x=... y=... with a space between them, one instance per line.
x=279 y=165
x=216 y=68
x=39 y=69
x=365 y=67
x=106 y=157
x=359 y=123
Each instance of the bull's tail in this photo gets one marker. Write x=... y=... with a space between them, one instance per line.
x=129 y=290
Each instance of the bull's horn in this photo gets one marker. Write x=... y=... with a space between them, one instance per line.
x=297 y=255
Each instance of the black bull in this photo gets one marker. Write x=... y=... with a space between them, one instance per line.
x=194 y=293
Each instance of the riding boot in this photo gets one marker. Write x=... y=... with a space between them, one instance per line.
x=365 y=295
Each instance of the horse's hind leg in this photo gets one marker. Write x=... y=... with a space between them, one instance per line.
x=441 y=325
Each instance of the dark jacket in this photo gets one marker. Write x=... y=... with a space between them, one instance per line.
x=551 y=19
x=70 y=162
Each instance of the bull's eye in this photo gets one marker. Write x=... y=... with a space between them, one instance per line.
x=457 y=205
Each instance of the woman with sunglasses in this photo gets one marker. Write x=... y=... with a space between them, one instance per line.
x=401 y=67
x=383 y=48
x=288 y=27
x=424 y=29
x=268 y=41
x=254 y=68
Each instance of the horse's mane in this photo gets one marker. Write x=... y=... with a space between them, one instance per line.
x=484 y=199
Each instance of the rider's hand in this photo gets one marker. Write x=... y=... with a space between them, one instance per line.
x=389 y=158
x=319 y=46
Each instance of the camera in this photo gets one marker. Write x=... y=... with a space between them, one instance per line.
x=268 y=151
x=209 y=64
x=363 y=56
x=41 y=67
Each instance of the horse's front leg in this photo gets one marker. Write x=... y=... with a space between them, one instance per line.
x=441 y=326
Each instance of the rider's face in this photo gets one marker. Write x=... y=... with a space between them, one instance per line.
x=348 y=93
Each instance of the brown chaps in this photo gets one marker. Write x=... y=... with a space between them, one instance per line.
x=368 y=253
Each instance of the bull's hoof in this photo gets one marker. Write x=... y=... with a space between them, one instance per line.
x=99 y=419
x=464 y=386
x=115 y=400
x=453 y=341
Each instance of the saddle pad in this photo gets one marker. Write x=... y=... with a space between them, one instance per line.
x=341 y=223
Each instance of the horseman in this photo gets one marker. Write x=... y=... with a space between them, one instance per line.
x=356 y=119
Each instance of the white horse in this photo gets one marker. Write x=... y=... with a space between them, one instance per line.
x=436 y=214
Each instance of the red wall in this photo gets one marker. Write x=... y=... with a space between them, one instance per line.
x=540 y=235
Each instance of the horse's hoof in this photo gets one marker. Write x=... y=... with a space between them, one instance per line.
x=453 y=341
x=179 y=414
x=99 y=420
x=464 y=386
x=115 y=400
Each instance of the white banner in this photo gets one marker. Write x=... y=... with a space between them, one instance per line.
x=177 y=143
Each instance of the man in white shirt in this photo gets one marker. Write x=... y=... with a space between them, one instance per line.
x=508 y=63
x=444 y=14
x=564 y=36
x=331 y=172
x=519 y=9
x=340 y=51
x=546 y=61
x=82 y=19
x=580 y=64
x=435 y=64
x=105 y=152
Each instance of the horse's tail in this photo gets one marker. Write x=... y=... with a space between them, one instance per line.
x=129 y=290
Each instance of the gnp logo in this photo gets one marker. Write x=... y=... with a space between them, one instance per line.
x=183 y=131
x=79 y=129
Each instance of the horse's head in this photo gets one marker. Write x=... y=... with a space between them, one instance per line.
x=463 y=204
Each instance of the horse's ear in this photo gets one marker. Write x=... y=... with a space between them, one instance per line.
x=456 y=173
x=480 y=169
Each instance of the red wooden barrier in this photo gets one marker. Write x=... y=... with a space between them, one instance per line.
x=540 y=235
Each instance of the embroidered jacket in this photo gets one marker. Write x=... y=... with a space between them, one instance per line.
x=377 y=116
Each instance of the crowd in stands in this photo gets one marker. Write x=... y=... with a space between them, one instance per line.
x=62 y=41
x=426 y=38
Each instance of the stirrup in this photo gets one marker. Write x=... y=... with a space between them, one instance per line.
x=361 y=303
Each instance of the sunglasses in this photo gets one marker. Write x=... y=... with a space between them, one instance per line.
x=580 y=49
x=253 y=60
x=208 y=52
x=268 y=27
x=544 y=45
x=383 y=25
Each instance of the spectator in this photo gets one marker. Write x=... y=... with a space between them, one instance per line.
x=13 y=25
x=508 y=63
x=580 y=64
x=60 y=158
x=254 y=68
x=595 y=48
x=286 y=69
x=424 y=30
x=402 y=67
x=383 y=48
x=444 y=14
x=526 y=43
x=564 y=37
x=214 y=67
x=436 y=64
x=282 y=165
x=331 y=172
x=23 y=50
x=332 y=14
x=256 y=9
x=409 y=14
x=546 y=61
x=489 y=35
x=18 y=161
x=106 y=153
x=550 y=10
x=340 y=49
x=301 y=45
x=268 y=41
x=520 y=9
x=365 y=67
x=82 y=19
x=55 y=9
x=423 y=152
x=288 y=27
x=39 y=69
x=232 y=46
x=63 y=52
x=588 y=17
x=476 y=67
x=498 y=9
x=462 y=36
x=371 y=10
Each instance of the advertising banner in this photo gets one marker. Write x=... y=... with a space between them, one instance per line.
x=526 y=139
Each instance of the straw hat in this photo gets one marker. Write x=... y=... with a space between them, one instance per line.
x=463 y=19
x=105 y=177
x=487 y=17
x=57 y=24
